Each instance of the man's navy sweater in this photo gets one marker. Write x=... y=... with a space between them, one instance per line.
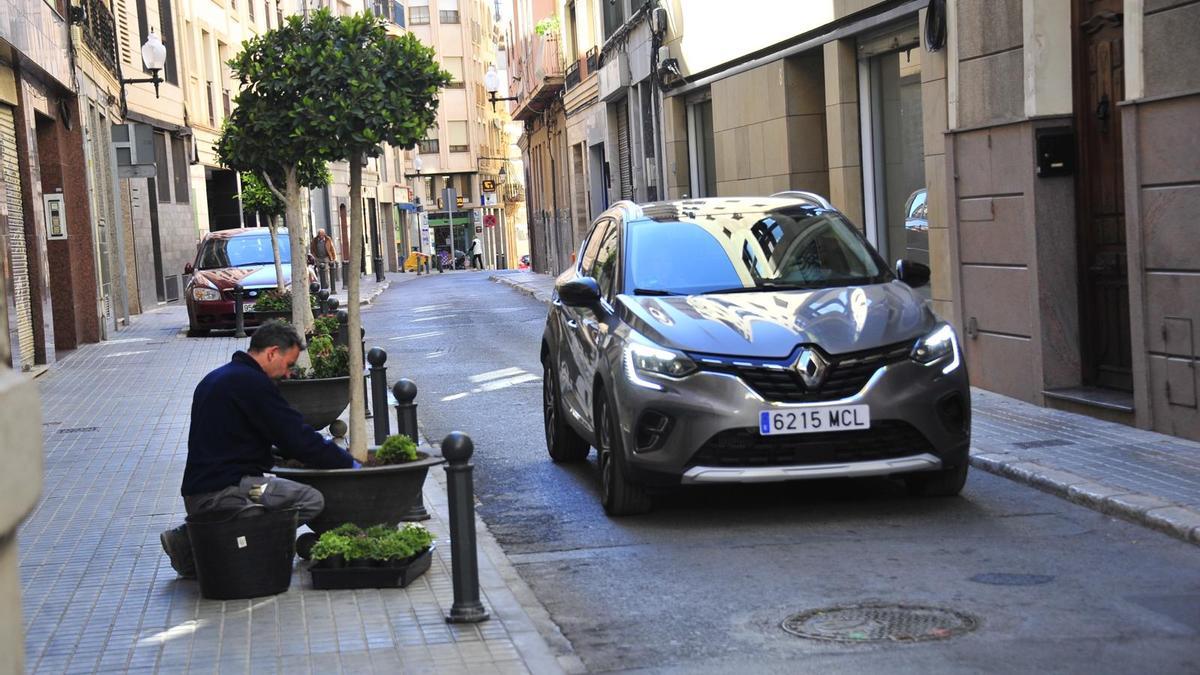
x=237 y=415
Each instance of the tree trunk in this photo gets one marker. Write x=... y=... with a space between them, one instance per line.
x=273 y=225
x=358 y=412
x=302 y=317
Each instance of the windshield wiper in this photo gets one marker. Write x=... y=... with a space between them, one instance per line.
x=766 y=287
x=651 y=291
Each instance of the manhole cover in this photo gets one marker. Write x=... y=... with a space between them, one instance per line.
x=880 y=623
x=1005 y=579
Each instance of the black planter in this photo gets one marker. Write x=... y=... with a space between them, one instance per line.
x=378 y=495
x=372 y=577
x=321 y=401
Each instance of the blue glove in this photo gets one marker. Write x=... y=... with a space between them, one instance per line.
x=356 y=465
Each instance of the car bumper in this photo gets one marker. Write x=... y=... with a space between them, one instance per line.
x=712 y=432
x=219 y=315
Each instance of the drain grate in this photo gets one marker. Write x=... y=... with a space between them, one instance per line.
x=1006 y=579
x=880 y=623
x=77 y=430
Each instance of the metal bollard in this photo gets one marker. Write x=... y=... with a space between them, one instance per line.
x=239 y=312
x=343 y=334
x=323 y=274
x=378 y=269
x=457 y=448
x=332 y=305
x=322 y=301
x=377 y=357
x=332 y=265
x=405 y=391
x=345 y=272
x=314 y=288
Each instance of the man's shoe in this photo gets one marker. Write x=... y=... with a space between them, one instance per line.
x=177 y=547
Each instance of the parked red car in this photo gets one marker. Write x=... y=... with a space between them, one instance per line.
x=227 y=258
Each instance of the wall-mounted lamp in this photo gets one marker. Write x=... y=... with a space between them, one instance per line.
x=154 y=55
x=491 y=82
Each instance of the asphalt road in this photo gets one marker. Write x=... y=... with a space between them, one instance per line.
x=703 y=583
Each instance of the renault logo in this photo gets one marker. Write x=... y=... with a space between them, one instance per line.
x=811 y=367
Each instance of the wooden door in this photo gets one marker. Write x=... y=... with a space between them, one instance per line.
x=1100 y=190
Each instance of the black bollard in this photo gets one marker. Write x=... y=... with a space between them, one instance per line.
x=323 y=274
x=323 y=301
x=378 y=269
x=314 y=288
x=457 y=449
x=405 y=391
x=239 y=312
x=377 y=357
x=345 y=272
x=332 y=265
x=343 y=329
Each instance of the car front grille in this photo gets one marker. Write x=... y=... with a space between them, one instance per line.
x=777 y=381
x=745 y=447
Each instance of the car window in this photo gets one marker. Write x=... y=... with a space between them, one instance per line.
x=218 y=252
x=790 y=248
x=593 y=246
x=605 y=268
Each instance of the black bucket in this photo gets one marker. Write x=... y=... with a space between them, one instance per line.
x=246 y=553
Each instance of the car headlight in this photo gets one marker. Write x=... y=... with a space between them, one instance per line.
x=201 y=294
x=643 y=360
x=938 y=346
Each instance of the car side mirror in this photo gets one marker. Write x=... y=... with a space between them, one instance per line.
x=187 y=268
x=580 y=292
x=912 y=273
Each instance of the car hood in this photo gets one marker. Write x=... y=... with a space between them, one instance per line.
x=254 y=276
x=770 y=324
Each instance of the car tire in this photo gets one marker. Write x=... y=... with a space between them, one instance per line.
x=562 y=442
x=619 y=494
x=944 y=483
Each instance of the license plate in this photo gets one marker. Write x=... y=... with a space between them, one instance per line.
x=812 y=420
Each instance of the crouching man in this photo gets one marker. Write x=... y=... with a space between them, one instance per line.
x=238 y=414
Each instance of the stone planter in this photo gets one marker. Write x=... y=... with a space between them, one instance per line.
x=378 y=495
x=321 y=401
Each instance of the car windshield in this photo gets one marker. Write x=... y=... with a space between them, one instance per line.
x=242 y=251
x=784 y=249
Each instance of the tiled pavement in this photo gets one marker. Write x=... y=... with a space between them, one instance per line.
x=1146 y=477
x=100 y=596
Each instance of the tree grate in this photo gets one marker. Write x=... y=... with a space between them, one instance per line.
x=880 y=623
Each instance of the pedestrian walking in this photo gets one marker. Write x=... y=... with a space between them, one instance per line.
x=238 y=414
x=477 y=254
x=323 y=251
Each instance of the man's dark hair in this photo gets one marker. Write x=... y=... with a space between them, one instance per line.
x=275 y=333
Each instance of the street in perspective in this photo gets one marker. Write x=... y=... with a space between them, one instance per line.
x=573 y=336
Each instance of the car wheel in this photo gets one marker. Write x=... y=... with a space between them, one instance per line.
x=944 y=483
x=619 y=495
x=561 y=440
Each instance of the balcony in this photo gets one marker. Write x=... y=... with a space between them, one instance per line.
x=577 y=71
x=100 y=34
x=537 y=74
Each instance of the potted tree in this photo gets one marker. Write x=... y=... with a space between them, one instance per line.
x=319 y=392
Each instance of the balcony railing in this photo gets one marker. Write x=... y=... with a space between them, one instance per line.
x=100 y=34
x=537 y=72
x=572 y=76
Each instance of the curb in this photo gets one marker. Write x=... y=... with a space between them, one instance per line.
x=546 y=649
x=1152 y=512
x=1148 y=511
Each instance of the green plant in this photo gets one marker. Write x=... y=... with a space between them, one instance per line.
x=547 y=26
x=329 y=545
x=273 y=301
x=346 y=530
x=396 y=449
x=325 y=325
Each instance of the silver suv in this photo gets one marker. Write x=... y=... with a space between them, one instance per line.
x=748 y=340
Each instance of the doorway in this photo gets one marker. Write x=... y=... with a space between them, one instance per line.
x=1100 y=195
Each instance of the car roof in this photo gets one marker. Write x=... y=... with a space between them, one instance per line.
x=242 y=232
x=692 y=209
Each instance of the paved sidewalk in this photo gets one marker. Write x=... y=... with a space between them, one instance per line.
x=1146 y=477
x=100 y=596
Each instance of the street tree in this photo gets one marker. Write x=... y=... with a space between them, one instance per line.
x=332 y=88
x=257 y=196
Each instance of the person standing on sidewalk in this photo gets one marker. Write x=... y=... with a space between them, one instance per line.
x=322 y=250
x=477 y=254
x=237 y=415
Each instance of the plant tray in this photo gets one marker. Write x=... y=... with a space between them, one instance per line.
x=328 y=578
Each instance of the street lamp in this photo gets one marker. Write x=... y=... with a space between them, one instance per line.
x=491 y=82
x=154 y=55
